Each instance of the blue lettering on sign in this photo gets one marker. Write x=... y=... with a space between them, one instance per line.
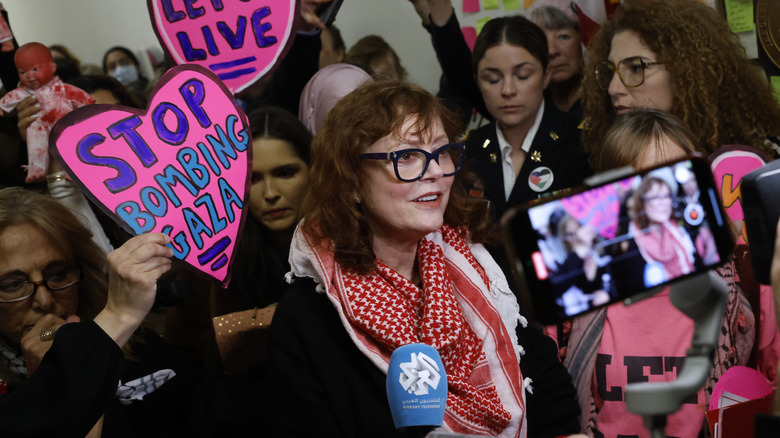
x=222 y=148
x=217 y=223
x=196 y=226
x=166 y=180
x=140 y=221
x=209 y=159
x=154 y=201
x=230 y=199
x=126 y=175
x=197 y=172
x=181 y=249
x=189 y=174
x=242 y=143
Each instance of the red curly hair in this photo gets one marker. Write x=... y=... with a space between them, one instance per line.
x=718 y=92
x=372 y=111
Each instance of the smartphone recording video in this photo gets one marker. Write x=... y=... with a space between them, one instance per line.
x=608 y=243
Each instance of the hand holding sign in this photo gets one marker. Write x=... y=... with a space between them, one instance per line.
x=180 y=168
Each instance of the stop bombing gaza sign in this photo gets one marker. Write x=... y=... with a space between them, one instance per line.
x=239 y=40
x=181 y=167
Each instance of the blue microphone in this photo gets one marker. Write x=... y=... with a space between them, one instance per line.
x=416 y=386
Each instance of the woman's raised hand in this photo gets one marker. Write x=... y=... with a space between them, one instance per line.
x=134 y=269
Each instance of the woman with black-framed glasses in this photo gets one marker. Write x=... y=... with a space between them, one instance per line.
x=52 y=275
x=74 y=360
x=389 y=254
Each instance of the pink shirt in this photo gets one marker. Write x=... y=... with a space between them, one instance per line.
x=644 y=342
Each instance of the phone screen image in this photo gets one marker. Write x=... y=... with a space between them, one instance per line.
x=610 y=242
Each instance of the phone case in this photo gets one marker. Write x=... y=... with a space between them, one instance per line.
x=624 y=266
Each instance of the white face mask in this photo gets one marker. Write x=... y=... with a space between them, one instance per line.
x=126 y=74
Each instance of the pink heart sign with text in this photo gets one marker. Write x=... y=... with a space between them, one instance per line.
x=181 y=167
x=599 y=207
x=240 y=41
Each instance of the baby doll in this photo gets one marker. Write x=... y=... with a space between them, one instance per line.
x=36 y=77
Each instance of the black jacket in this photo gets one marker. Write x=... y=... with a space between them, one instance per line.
x=320 y=384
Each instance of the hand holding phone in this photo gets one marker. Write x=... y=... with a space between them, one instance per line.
x=613 y=241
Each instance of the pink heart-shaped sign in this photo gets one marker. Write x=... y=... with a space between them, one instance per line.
x=598 y=207
x=182 y=167
x=240 y=41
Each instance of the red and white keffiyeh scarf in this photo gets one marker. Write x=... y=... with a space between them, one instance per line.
x=672 y=248
x=464 y=309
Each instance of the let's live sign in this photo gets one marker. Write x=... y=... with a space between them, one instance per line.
x=239 y=40
x=181 y=167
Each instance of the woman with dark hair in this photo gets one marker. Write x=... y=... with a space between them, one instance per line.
x=120 y=63
x=532 y=148
x=280 y=168
x=280 y=179
x=387 y=254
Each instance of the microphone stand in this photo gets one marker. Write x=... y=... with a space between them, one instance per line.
x=703 y=298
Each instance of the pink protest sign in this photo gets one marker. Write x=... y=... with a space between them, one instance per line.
x=729 y=165
x=181 y=167
x=240 y=42
x=599 y=208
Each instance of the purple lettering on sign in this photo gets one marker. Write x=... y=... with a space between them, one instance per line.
x=241 y=43
x=181 y=167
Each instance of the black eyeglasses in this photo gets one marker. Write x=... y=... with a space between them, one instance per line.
x=15 y=289
x=411 y=164
x=631 y=72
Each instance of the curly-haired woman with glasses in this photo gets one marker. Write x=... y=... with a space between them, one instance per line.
x=678 y=56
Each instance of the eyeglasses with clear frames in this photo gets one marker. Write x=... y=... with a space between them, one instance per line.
x=411 y=164
x=15 y=289
x=631 y=72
